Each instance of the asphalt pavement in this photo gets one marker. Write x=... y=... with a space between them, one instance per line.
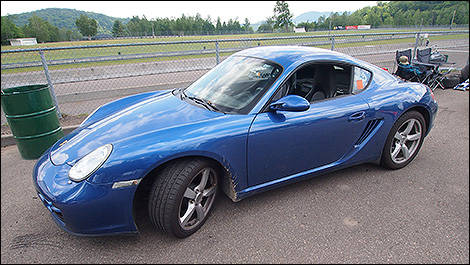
x=363 y=214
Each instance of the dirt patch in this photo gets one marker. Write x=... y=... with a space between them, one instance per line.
x=65 y=121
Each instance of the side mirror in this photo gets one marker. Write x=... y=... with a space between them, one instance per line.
x=290 y=103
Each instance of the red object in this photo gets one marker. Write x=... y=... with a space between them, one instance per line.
x=359 y=84
x=385 y=69
x=431 y=92
x=351 y=27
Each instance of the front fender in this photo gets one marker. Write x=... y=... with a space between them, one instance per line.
x=222 y=139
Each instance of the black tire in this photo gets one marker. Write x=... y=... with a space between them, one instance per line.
x=168 y=196
x=390 y=158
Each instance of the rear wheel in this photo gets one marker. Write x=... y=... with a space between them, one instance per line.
x=404 y=140
x=182 y=196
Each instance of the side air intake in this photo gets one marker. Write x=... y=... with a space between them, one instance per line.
x=368 y=130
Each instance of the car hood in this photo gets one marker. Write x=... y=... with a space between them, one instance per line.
x=149 y=115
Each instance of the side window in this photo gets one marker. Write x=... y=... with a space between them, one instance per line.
x=319 y=81
x=361 y=79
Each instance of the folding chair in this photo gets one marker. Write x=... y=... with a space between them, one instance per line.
x=423 y=56
x=423 y=60
x=428 y=70
x=435 y=80
x=399 y=54
x=410 y=76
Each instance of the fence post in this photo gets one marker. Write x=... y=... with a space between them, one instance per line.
x=217 y=58
x=48 y=77
x=332 y=43
x=416 y=47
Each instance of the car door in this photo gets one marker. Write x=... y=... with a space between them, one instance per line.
x=283 y=143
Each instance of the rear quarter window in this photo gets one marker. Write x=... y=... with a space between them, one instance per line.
x=361 y=79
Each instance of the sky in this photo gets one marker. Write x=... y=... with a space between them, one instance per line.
x=255 y=11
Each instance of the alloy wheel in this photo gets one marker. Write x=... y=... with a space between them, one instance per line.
x=197 y=198
x=406 y=141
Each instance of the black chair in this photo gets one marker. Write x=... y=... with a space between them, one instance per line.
x=423 y=56
x=411 y=75
x=406 y=53
x=432 y=76
x=423 y=60
x=399 y=54
x=401 y=72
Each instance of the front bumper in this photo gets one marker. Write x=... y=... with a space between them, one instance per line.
x=83 y=208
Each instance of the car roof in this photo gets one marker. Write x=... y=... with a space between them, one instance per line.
x=287 y=55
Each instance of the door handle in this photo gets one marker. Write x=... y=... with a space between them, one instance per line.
x=357 y=116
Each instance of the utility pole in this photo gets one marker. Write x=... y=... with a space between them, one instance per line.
x=452 y=22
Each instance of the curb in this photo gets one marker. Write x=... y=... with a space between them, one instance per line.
x=9 y=139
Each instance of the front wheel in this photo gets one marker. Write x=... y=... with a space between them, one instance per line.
x=404 y=140
x=182 y=196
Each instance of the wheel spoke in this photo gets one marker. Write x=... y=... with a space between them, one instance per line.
x=205 y=176
x=190 y=194
x=409 y=127
x=406 y=152
x=398 y=136
x=199 y=212
x=413 y=137
x=396 y=151
x=187 y=215
x=209 y=191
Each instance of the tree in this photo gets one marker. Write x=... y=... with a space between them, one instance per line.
x=266 y=26
x=40 y=29
x=9 y=30
x=282 y=16
x=309 y=26
x=87 y=26
x=246 y=26
x=218 y=26
x=118 y=29
x=133 y=26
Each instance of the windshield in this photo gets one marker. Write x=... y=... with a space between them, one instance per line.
x=235 y=85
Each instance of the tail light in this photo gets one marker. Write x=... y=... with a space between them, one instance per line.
x=431 y=92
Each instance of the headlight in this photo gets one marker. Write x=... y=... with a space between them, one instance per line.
x=90 y=163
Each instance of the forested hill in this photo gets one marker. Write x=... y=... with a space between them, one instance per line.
x=65 y=18
x=413 y=13
x=397 y=13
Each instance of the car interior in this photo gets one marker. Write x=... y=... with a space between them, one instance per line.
x=319 y=81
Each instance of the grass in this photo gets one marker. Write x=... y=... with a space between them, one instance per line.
x=209 y=37
x=130 y=50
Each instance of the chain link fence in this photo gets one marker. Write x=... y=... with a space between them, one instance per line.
x=84 y=77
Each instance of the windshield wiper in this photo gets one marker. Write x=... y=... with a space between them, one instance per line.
x=209 y=105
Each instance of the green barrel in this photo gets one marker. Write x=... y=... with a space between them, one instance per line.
x=32 y=117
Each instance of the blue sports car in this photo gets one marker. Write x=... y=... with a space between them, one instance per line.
x=263 y=118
